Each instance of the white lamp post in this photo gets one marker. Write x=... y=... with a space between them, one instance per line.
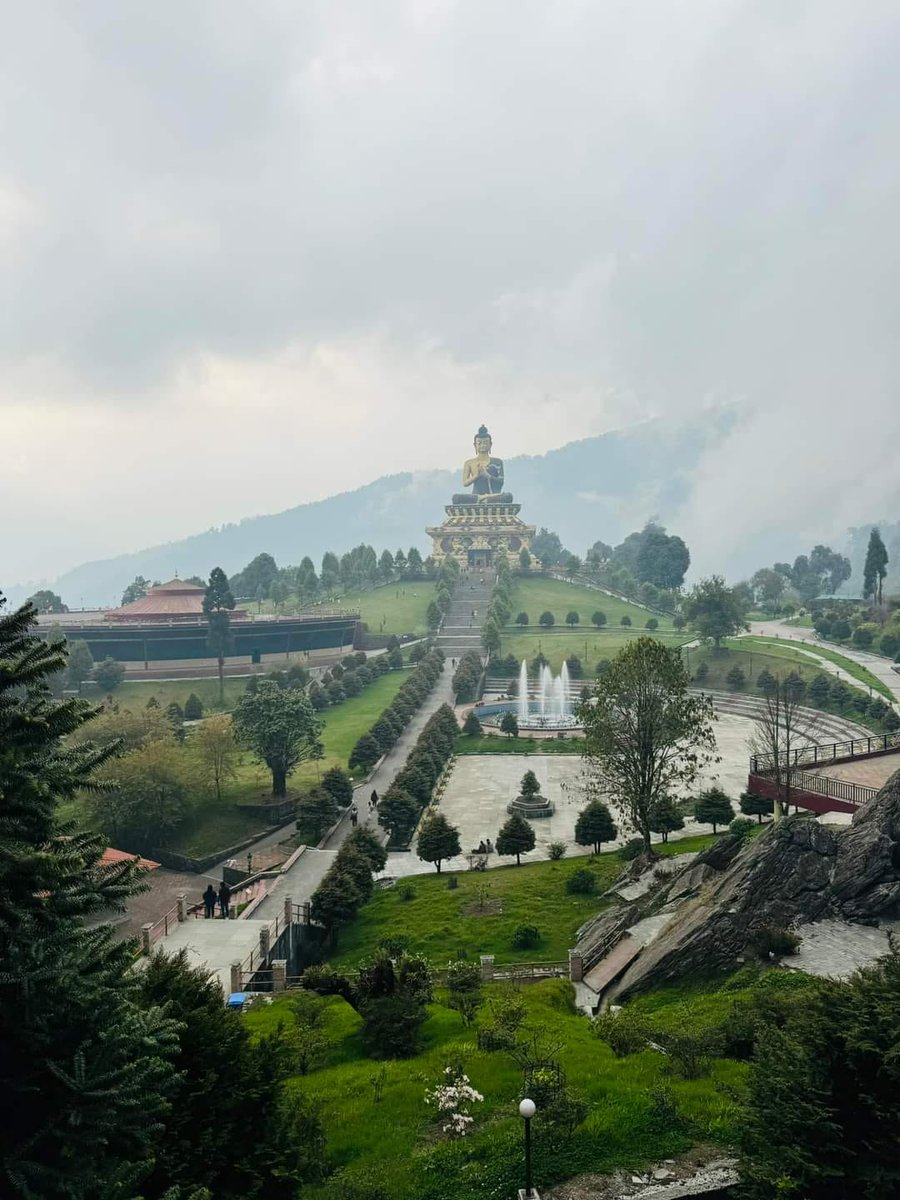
x=527 y=1109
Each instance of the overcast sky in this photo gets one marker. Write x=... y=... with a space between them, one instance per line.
x=255 y=253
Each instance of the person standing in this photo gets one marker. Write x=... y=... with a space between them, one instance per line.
x=224 y=900
x=354 y=815
x=373 y=800
x=209 y=903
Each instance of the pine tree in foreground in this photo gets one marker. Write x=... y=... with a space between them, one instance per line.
x=85 y=1072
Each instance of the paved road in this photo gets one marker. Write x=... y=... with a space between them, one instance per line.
x=304 y=877
x=880 y=667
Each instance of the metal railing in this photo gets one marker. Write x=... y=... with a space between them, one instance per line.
x=836 y=789
x=256 y=960
x=763 y=764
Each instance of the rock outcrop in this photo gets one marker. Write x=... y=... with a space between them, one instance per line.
x=795 y=872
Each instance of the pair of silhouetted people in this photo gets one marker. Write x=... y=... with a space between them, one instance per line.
x=485 y=847
x=209 y=901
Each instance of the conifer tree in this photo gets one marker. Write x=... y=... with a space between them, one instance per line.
x=85 y=1073
x=875 y=569
x=217 y=605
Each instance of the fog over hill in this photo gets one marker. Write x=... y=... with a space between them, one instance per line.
x=601 y=487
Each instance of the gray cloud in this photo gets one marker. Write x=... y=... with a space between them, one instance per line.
x=241 y=248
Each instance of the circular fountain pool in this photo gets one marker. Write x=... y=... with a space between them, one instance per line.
x=548 y=706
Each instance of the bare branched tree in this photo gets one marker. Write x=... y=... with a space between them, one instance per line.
x=782 y=728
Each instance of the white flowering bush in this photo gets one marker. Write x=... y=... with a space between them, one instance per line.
x=453 y=1098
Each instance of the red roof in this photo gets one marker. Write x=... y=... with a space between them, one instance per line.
x=115 y=856
x=175 y=600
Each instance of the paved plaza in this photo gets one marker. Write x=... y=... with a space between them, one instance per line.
x=481 y=786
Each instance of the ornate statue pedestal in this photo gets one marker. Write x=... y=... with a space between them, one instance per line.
x=474 y=531
x=531 y=807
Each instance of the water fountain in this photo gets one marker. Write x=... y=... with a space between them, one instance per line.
x=549 y=704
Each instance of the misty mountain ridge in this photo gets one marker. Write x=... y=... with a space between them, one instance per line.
x=596 y=488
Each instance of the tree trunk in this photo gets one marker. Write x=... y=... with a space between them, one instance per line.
x=279 y=782
x=438 y=865
x=518 y=859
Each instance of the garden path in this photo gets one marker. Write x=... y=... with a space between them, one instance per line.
x=302 y=879
x=882 y=668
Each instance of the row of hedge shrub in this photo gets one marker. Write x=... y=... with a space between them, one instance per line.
x=391 y=722
x=402 y=803
x=447 y=578
x=467 y=677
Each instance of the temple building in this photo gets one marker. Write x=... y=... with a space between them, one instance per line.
x=177 y=600
x=164 y=635
x=484 y=523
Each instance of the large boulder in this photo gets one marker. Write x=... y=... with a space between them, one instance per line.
x=796 y=871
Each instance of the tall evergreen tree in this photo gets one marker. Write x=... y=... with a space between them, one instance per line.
x=85 y=1072
x=875 y=569
x=217 y=604
x=223 y=1129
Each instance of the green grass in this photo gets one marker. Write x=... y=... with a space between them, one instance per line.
x=395 y=608
x=395 y=1140
x=776 y=659
x=541 y=594
x=135 y=694
x=499 y=744
x=214 y=827
x=390 y=608
x=585 y=642
x=856 y=670
x=438 y=925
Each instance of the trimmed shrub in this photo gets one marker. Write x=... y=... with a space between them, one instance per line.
x=526 y=937
x=582 y=882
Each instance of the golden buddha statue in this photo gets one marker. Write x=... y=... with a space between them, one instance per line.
x=483 y=473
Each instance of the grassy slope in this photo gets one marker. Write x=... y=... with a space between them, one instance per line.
x=541 y=594
x=215 y=827
x=585 y=642
x=394 y=1138
x=391 y=608
x=854 y=669
x=136 y=694
x=395 y=608
x=534 y=893
x=343 y=725
x=777 y=660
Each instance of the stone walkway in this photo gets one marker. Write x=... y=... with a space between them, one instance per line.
x=305 y=875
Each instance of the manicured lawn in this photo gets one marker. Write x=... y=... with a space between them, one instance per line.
x=441 y=923
x=500 y=744
x=585 y=642
x=390 y=608
x=541 y=594
x=777 y=659
x=854 y=669
x=136 y=694
x=346 y=723
x=395 y=608
x=215 y=827
x=379 y=1128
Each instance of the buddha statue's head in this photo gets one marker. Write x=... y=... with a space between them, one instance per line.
x=483 y=441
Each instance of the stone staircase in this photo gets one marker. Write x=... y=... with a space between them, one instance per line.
x=461 y=631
